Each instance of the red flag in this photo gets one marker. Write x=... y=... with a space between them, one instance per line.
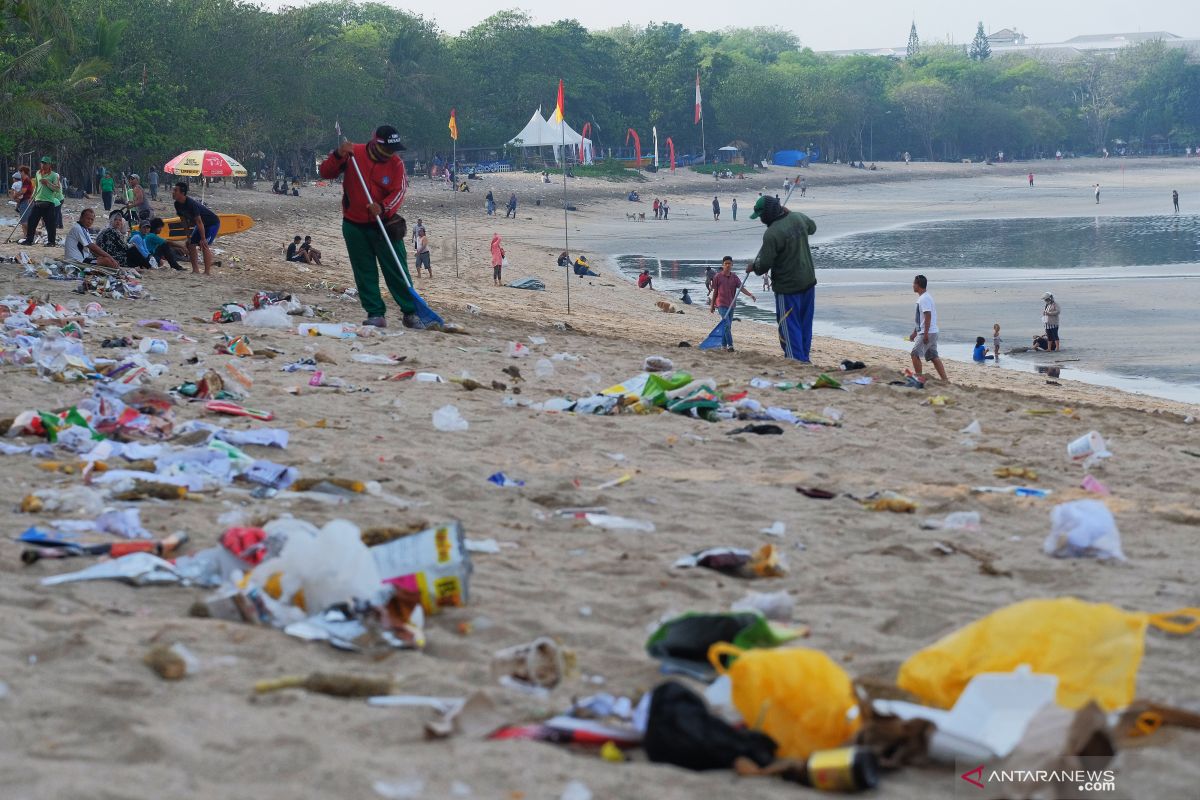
x=699 y=110
x=453 y=125
x=561 y=108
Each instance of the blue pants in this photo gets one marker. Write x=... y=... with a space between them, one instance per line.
x=727 y=330
x=794 y=314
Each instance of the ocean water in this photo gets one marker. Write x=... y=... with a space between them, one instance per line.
x=1129 y=288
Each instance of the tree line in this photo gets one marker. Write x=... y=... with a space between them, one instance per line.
x=125 y=85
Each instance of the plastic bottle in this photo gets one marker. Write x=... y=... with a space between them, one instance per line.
x=447 y=419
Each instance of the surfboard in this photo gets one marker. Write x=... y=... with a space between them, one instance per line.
x=230 y=224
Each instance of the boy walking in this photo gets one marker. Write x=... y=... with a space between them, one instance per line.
x=725 y=286
x=925 y=331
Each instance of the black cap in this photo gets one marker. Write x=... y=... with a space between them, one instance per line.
x=388 y=138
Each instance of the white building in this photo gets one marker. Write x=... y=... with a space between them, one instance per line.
x=1010 y=40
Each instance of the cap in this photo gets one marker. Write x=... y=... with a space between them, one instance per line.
x=47 y=160
x=388 y=138
x=16 y=174
x=135 y=175
x=760 y=205
x=1048 y=296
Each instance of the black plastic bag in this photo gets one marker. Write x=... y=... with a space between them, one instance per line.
x=682 y=731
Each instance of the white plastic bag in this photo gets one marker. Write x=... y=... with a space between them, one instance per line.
x=272 y=316
x=1083 y=529
x=447 y=419
x=333 y=566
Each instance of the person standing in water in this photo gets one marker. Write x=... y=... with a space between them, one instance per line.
x=1175 y=199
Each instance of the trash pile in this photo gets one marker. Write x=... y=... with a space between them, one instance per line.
x=94 y=279
x=678 y=392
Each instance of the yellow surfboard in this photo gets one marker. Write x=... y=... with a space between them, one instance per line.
x=230 y=224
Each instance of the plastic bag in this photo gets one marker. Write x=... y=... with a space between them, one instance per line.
x=1083 y=529
x=272 y=316
x=799 y=697
x=319 y=568
x=1093 y=648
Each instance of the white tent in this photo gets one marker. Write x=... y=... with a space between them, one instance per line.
x=540 y=133
x=536 y=133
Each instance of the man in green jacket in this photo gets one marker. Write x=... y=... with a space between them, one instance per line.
x=785 y=255
x=47 y=197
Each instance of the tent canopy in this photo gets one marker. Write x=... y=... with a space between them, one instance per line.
x=538 y=132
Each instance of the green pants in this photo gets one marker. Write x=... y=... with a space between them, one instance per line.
x=369 y=255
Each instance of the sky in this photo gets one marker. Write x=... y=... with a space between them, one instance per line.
x=836 y=26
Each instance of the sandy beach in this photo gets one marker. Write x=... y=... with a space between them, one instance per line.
x=83 y=717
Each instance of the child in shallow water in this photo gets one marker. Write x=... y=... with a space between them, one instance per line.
x=996 y=341
x=981 y=353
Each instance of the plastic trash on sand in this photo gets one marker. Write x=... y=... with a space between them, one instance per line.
x=798 y=696
x=1083 y=529
x=954 y=521
x=778 y=606
x=139 y=569
x=329 y=566
x=1088 y=449
x=517 y=350
x=615 y=523
x=433 y=565
x=776 y=528
x=1094 y=649
x=765 y=562
x=500 y=479
x=272 y=316
x=989 y=718
x=447 y=419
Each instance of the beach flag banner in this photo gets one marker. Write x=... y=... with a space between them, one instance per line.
x=337 y=127
x=453 y=126
x=699 y=107
x=561 y=108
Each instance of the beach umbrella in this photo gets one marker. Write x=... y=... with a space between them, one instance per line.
x=205 y=163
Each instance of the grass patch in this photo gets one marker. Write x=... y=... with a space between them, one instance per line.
x=604 y=170
x=736 y=169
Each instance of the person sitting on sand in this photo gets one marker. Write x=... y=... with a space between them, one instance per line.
x=314 y=255
x=80 y=246
x=634 y=197
x=112 y=241
x=645 y=281
x=583 y=269
x=138 y=239
x=980 y=354
x=564 y=260
x=159 y=247
x=293 y=251
x=686 y=298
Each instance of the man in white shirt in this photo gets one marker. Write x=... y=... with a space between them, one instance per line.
x=81 y=247
x=423 y=251
x=925 y=331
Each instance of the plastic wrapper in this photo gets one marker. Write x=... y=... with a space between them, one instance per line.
x=432 y=566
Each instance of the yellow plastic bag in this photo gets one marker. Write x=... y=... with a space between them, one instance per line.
x=797 y=696
x=1094 y=649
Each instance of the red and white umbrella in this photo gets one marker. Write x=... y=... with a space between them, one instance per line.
x=206 y=163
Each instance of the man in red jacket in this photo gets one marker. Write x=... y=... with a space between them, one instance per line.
x=383 y=172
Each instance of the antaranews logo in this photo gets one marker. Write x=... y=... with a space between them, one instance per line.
x=1095 y=780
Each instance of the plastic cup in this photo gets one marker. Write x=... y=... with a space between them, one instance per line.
x=1090 y=445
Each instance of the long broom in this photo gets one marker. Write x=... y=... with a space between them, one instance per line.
x=427 y=315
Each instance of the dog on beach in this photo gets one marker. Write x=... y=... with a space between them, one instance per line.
x=631 y=216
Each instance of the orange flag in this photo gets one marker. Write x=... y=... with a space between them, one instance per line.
x=561 y=108
x=453 y=126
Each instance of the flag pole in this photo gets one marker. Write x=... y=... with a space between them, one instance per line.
x=562 y=126
x=454 y=204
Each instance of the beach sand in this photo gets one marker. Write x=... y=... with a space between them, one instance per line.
x=84 y=718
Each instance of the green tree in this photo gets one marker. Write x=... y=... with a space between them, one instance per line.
x=980 y=49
